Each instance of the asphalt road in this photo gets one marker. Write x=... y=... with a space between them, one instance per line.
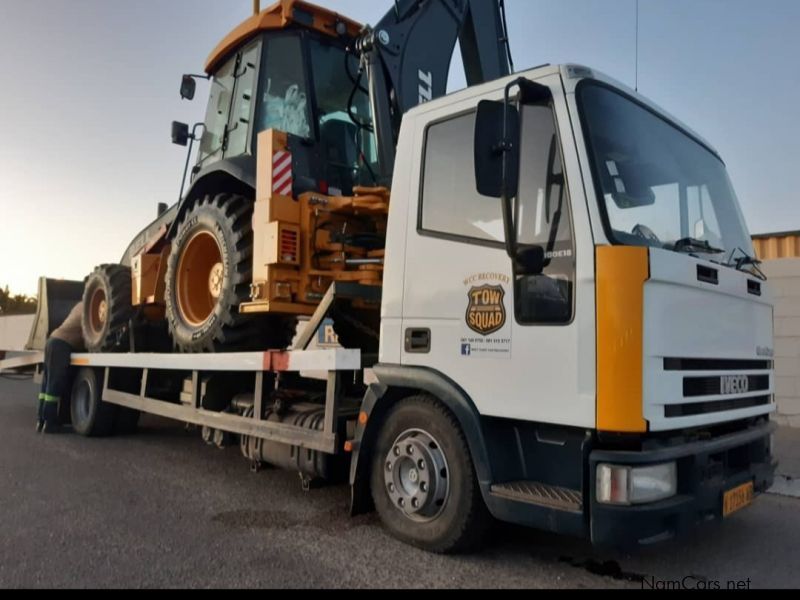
x=161 y=509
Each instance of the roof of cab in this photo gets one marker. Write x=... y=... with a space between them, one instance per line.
x=571 y=74
x=280 y=15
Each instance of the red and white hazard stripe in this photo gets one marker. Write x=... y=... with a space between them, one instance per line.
x=282 y=173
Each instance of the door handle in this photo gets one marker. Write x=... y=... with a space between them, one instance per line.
x=418 y=341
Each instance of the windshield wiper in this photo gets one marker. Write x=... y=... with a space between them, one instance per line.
x=694 y=245
x=747 y=261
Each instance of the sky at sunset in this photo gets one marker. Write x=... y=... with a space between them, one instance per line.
x=90 y=87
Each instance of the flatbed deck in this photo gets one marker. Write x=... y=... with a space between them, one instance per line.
x=332 y=362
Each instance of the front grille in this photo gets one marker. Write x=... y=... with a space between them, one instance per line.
x=704 y=364
x=694 y=387
x=719 y=406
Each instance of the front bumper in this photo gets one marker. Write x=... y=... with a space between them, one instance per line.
x=706 y=470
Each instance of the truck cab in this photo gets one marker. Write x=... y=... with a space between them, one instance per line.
x=624 y=387
x=554 y=317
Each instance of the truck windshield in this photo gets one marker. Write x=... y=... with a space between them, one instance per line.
x=659 y=186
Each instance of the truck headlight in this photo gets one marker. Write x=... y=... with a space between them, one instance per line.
x=636 y=485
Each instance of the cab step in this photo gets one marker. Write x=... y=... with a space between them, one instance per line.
x=540 y=494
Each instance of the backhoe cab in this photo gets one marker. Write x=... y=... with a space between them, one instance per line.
x=248 y=249
x=291 y=68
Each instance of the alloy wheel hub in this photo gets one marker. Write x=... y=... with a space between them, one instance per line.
x=417 y=476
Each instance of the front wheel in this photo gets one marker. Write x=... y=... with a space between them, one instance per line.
x=208 y=277
x=423 y=482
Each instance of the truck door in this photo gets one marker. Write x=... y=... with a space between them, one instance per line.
x=513 y=346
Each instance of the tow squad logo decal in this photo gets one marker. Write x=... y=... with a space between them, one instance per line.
x=486 y=313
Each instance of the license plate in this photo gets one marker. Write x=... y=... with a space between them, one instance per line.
x=737 y=499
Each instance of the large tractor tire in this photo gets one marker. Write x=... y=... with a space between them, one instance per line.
x=107 y=309
x=209 y=273
x=357 y=329
x=91 y=417
x=423 y=482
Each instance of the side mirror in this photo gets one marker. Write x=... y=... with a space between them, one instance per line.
x=188 y=87
x=530 y=261
x=497 y=141
x=180 y=133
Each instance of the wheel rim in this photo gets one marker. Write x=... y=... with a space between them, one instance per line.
x=417 y=476
x=200 y=280
x=82 y=401
x=98 y=311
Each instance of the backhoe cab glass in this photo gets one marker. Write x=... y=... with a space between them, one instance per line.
x=299 y=84
x=657 y=185
x=284 y=102
x=344 y=118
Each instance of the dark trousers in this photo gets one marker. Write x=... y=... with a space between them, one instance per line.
x=55 y=378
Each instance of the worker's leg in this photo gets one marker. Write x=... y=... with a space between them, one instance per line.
x=43 y=390
x=58 y=367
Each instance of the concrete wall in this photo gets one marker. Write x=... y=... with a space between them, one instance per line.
x=784 y=277
x=14 y=332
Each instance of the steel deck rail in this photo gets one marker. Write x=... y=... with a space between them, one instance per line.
x=330 y=361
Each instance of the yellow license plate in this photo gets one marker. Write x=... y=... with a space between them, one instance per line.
x=737 y=499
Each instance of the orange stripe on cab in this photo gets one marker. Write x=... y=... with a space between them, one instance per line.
x=621 y=274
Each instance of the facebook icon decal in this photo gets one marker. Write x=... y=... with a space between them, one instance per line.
x=466 y=349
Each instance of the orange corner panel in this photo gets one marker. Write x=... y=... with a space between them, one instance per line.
x=279 y=16
x=621 y=275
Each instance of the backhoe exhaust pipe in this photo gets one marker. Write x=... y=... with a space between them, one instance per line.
x=256 y=6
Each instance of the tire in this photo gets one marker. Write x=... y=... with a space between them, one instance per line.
x=357 y=328
x=209 y=273
x=107 y=309
x=452 y=517
x=91 y=417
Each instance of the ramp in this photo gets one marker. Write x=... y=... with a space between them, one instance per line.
x=56 y=299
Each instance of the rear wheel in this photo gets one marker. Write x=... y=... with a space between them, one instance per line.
x=91 y=417
x=107 y=309
x=208 y=277
x=423 y=483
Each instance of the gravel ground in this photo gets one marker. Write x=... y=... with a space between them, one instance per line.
x=161 y=509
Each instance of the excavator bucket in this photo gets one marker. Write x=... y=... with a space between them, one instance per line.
x=56 y=299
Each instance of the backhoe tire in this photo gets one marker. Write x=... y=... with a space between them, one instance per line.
x=357 y=329
x=91 y=417
x=423 y=483
x=209 y=273
x=107 y=309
